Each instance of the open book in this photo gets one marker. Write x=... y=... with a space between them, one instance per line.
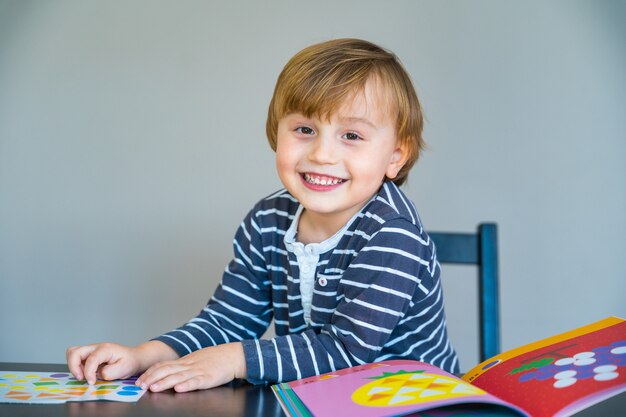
x=558 y=376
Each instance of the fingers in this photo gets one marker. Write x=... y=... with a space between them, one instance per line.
x=75 y=357
x=204 y=368
x=100 y=355
x=158 y=372
x=115 y=370
x=175 y=375
x=192 y=384
x=104 y=359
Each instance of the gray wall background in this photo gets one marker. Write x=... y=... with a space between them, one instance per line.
x=132 y=144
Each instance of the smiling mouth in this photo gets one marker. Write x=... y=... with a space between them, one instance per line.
x=321 y=179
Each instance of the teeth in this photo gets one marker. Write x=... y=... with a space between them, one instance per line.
x=321 y=180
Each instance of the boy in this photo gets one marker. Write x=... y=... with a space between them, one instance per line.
x=338 y=258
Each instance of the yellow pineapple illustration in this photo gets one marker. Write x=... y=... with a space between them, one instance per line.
x=411 y=387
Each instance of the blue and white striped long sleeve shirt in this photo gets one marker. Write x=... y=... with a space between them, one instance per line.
x=376 y=295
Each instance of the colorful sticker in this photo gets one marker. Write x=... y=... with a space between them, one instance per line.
x=60 y=387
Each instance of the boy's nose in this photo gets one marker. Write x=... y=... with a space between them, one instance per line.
x=323 y=150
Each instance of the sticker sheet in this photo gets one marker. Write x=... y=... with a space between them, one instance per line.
x=60 y=387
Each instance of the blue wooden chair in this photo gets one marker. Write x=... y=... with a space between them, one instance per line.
x=480 y=249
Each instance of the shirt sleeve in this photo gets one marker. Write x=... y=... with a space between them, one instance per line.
x=393 y=274
x=240 y=308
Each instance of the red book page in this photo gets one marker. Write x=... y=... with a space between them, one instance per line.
x=564 y=377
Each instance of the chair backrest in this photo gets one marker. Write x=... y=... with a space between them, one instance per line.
x=480 y=249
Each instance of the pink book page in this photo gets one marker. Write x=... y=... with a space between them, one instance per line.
x=386 y=389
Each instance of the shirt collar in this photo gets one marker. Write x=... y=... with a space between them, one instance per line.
x=312 y=248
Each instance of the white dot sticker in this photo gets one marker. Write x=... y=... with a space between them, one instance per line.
x=621 y=350
x=564 y=361
x=605 y=376
x=604 y=368
x=565 y=375
x=562 y=383
x=584 y=361
x=584 y=355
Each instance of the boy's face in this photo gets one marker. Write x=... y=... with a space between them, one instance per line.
x=333 y=167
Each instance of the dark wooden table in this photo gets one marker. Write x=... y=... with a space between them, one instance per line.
x=237 y=399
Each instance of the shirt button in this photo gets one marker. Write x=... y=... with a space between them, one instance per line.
x=323 y=281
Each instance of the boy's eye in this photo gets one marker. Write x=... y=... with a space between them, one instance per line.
x=305 y=130
x=352 y=136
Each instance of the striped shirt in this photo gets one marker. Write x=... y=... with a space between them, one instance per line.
x=376 y=295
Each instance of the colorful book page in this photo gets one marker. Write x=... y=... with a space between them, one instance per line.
x=289 y=402
x=570 y=373
x=394 y=389
x=345 y=371
x=60 y=387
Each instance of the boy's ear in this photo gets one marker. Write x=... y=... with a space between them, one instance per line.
x=397 y=161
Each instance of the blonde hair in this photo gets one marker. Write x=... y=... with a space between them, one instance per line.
x=318 y=79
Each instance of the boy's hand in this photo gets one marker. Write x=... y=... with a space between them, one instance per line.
x=112 y=361
x=109 y=360
x=204 y=368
